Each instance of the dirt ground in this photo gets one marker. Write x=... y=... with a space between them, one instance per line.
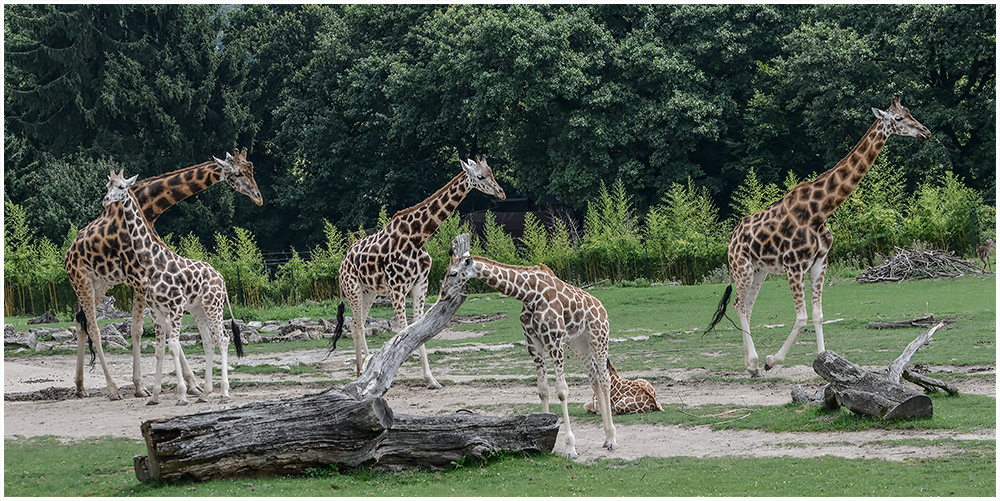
x=39 y=401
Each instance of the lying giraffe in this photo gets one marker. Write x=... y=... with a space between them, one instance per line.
x=172 y=284
x=791 y=237
x=554 y=315
x=393 y=262
x=93 y=266
x=627 y=397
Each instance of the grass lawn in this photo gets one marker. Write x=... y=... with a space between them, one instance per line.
x=654 y=328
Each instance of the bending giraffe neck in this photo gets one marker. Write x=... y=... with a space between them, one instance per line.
x=157 y=194
x=831 y=188
x=144 y=241
x=508 y=279
x=421 y=221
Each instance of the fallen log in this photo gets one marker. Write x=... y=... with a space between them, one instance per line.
x=925 y=321
x=350 y=427
x=868 y=393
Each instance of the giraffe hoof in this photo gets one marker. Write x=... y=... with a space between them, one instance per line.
x=152 y=402
x=572 y=455
x=434 y=385
x=754 y=373
x=81 y=394
x=142 y=393
x=181 y=402
x=201 y=400
x=610 y=446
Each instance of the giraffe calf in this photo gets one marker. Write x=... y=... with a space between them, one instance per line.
x=627 y=397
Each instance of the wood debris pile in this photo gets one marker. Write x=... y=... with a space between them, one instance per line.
x=918 y=264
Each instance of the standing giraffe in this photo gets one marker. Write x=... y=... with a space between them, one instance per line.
x=392 y=261
x=984 y=253
x=92 y=262
x=172 y=284
x=627 y=397
x=791 y=236
x=554 y=314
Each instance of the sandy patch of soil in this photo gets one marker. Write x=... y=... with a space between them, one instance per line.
x=39 y=400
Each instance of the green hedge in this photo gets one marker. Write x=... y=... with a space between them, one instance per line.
x=681 y=239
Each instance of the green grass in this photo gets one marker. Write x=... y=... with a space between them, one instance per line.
x=102 y=467
x=672 y=319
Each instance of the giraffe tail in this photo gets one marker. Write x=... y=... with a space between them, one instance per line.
x=237 y=338
x=721 y=311
x=339 y=331
x=81 y=319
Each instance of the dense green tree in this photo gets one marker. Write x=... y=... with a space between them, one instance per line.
x=143 y=86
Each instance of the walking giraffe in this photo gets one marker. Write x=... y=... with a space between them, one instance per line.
x=627 y=397
x=93 y=266
x=791 y=236
x=554 y=315
x=172 y=284
x=392 y=261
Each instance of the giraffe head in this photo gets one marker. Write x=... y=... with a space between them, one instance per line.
x=898 y=120
x=480 y=177
x=238 y=172
x=118 y=187
x=462 y=265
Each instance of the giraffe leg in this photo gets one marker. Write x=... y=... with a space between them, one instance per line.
x=205 y=328
x=562 y=393
x=747 y=286
x=174 y=344
x=595 y=361
x=536 y=351
x=138 y=305
x=159 y=325
x=817 y=274
x=87 y=292
x=796 y=281
x=419 y=296
x=360 y=302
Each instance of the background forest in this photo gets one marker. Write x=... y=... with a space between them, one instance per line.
x=638 y=133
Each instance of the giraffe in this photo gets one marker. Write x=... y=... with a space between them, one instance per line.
x=172 y=284
x=393 y=262
x=554 y=314
x=92 y=261
x=791 y=236
x=984 y=253
x=627 y=397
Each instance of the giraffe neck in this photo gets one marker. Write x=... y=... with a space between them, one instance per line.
x=157 y=194
x=504 y=278
x=419 y=222
x=145 y=243
x=832 y=187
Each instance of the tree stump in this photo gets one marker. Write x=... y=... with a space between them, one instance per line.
x=350 y=427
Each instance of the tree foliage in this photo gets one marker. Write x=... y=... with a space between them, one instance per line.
x=350 y=108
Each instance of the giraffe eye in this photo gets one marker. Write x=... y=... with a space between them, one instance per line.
x=899 y=119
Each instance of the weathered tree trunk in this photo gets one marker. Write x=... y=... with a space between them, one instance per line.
x=348 y=427
x=868 y=393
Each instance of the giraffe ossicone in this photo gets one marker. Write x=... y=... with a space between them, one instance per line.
x=791 y=237
x=393 y=262
x=554 y=315
x=93 y=265
x=171 y=285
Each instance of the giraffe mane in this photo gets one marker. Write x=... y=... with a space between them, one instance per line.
x=538 y=267
x=149 y=180
x=436 y=194
x=142 y=217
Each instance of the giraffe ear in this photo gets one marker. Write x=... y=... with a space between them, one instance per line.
x=883 y=115
x=130 y=181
